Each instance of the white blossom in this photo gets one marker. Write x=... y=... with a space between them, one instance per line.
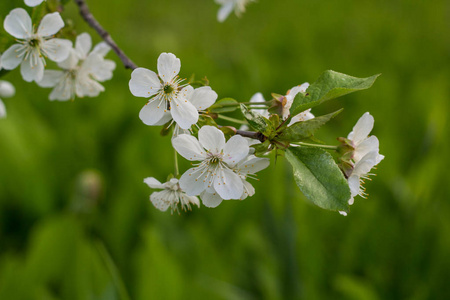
x=171 y=196
x=214 y=173
x=81 y=71
x=34 y=46
x=227 y=6
x=33 y=3
x=166 y=100
x=365 y=155
x=246 y=168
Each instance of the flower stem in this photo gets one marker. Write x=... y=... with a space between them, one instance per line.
x=266 y=103
x=112 y=269
x=177 y=171
x=316 y=145
x=232 y=119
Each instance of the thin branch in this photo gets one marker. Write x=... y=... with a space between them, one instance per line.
x=251 y=134
x=89 y=18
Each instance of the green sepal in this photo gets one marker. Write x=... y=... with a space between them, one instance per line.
x=258 y=122
x=330 y=85
x=305 y=129
x=224 y=105
x=319 y=178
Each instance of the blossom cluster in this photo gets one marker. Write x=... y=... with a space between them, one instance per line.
x=81 y=69
x=223 y=158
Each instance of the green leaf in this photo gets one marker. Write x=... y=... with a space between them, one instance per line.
x=224 y=105
x=257 y=121
x=305 y=129
x=330 y=85
x=319 y=178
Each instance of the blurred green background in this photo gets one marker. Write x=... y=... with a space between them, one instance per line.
x=72 y=197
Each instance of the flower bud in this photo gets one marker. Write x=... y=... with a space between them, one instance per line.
x=6 y=89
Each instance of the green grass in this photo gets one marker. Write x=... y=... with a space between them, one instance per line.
x=71 y=174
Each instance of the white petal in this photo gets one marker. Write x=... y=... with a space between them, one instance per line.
x=144 y=83
x=7 y=90
x=211 y=138
x=228 y=185
x=33 y=3
x=191 y=182
x=85 y=86
x=298 y=89
x=2 y=110
x=153 y=183
x=225 y=11
x=32 y=72
x=168 y=66
x=303 y=116
x=51 y=78
x=353 y=183
x=64 y=89
x=71 y=61
x=256 y=98
x=152 y=112
x=10 y=58
x=165 y=118
x=211 y=200
x=235 y=150
x=50 y=24
x=368 y=145
x=57 y=49
x=18 y=24
x=249 y=190
x=190 y=199
x=379 y=158
x=187 y=92
x=252 y=165
x=366 y=163
x=83 y=44
x=101 y=48
x=203 y=97
x=343 y=213
x=161 y=200
x=188 y=147
x=362 y=128
x=183 y=112
x=99 y=68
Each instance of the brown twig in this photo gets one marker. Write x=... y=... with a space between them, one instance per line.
x=89 y=18
x=252 y=135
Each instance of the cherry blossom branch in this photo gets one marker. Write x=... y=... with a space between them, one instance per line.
x=251 y=134
x=90 y=19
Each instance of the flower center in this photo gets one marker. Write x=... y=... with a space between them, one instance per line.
x=168 y=89
x=34 y=42
x=214 y=159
